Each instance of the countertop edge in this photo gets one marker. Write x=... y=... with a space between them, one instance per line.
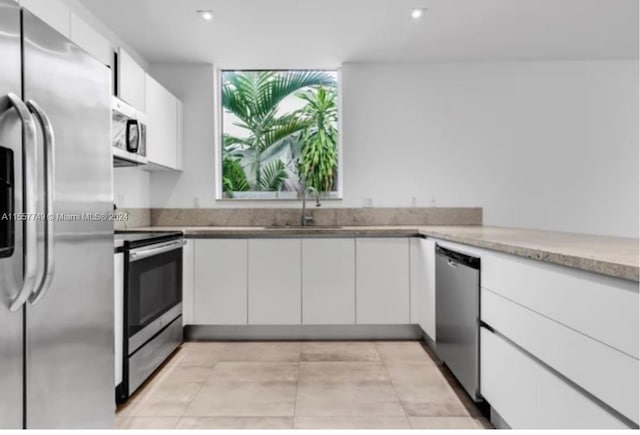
x=603 y=267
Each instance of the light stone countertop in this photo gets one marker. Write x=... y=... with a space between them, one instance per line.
x=613 y=256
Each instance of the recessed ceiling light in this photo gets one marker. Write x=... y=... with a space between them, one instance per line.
x=205 y=15
x=417 y=13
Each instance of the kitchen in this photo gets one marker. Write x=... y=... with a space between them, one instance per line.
x=468 y=259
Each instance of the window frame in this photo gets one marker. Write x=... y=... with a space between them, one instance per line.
x=218 y=133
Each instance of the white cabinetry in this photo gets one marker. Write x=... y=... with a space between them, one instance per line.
x=188 y=284
x=274 y=282
x=328 y=281
x=565 y=348
x=163 y=125
x=220 y=296
x=382 y=281
x=131 y=78
x=528 y=396
x=118 y=302
x=53 y=12
x=93 y=42
x=180 y=139
x=423 y=285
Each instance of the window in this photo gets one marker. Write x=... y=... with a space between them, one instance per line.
x=279 y=133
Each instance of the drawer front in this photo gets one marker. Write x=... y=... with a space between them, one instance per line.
x=528 y=396
x=601 y=307
x=607 y=373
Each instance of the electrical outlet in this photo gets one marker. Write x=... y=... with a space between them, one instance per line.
x=196 y=202
x=414 y=201
x=368 y=202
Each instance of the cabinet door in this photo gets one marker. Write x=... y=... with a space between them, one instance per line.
x=131 y=81
x=162 y=124
x=220 y=282
x=328 y=281
x=53 y=12
x=188 y=281
x=88 y=38
x=423 y=282
x=382 y=281
x=274 y=282
x=180 y=134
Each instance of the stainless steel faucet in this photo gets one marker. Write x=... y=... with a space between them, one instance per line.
x=304 y=218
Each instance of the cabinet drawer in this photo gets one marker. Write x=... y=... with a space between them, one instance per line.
x=528 y=396
x=607 y=373
x=601 y=307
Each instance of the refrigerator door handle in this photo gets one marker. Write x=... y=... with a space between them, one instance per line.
x=49 y=175
x=29 y=180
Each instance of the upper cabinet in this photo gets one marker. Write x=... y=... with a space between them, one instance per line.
x=131 y=78
x=164 y=127
x=53 y=12
x=89 y=39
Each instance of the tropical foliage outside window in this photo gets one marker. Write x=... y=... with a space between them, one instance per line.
x=279 y=133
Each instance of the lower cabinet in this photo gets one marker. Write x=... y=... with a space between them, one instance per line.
x=118 y=301
x=529 y=396
x=188 y=281
x=382 y=281
x=274 y=279
x=328 y=281
x=423 y=284
x=292 y=281
x=220 y=282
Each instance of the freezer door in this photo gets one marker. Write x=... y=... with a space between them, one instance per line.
x=69 y=331
x=11 y=252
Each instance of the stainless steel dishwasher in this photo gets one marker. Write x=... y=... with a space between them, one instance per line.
x=457 y=316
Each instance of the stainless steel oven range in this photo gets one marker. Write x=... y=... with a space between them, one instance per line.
x=152 y=305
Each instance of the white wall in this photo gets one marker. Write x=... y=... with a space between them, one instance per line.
x=549 y=145
x=131 y=187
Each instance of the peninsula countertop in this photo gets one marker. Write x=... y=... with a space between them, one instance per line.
x=612 y=256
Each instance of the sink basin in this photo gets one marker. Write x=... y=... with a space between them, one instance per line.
x=301 y=227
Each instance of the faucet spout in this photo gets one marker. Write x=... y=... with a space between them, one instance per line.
x=304 y=218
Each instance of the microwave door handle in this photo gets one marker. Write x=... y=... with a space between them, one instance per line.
x=49 y=174
x=29 y=180
x=139 y=254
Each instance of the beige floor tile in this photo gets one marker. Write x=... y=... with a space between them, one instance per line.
x=168 y=400
x=261 y=351
x=244 y=399
x=342 y=371
x=351 y=423
x=202 y=353
x=339 y=351
x=365 y=398
x=423 y=391
x=444 y=423
x=235 y=423
x=423 y=375
x=146 y=422
x=188 y=373
x=254 y=372
x=403 y=351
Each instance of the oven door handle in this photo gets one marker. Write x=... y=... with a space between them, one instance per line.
x=140 y=253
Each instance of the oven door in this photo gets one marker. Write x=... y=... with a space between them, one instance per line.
x=154 y=290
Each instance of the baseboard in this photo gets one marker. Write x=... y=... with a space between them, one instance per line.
x=302 y=332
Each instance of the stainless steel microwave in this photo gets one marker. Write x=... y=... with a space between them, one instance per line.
x=129 y=135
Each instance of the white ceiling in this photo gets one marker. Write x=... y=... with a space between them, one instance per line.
x=326 y=33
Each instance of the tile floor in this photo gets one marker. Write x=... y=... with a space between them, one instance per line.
x=300 y=385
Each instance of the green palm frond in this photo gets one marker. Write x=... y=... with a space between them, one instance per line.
x=273 y=176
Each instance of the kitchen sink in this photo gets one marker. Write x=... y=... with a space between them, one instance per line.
x=303 y=227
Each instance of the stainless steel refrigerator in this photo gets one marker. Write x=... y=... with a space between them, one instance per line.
x=56 y=242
